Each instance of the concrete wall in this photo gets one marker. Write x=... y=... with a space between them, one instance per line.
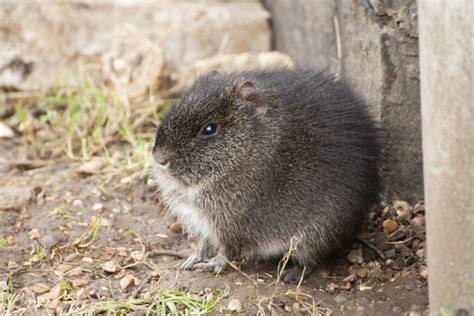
x=446 y=53
x=374 y=42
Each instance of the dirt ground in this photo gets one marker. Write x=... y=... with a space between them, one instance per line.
x=86 y=242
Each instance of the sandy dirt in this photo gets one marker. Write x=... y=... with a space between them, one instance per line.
x=48 y=245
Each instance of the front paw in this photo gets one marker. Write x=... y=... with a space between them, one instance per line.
x=215 y=265
x=191 y=262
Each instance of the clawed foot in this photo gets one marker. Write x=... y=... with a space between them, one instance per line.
x=191 y=262
x=215 y=265
x=294 y=275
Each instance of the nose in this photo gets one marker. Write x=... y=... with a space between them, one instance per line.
x=161 y=158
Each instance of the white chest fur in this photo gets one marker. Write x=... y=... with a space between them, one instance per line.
x=179 y=200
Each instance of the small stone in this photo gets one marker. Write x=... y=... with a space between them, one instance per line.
x=76 y=283
x=419 y=220
x=105 y=222
x=12 y=265
x=163 y=236
x=331 y=288
x=34 y=234
x=376 y=272
x=77 y=203
x=390 y=254
x=410 y=260
x=351 y=278
x=72 y=257
x=10 y=241
x=397 y=310
x=81 y=293
x=340 y=299
x=126 y=180
x=16 y=197
x=6 y=131
x=91 y=167
x=176 y=227
x=63 y=268
x=362 y=272
x=40 y=288
x=99 y=207
x=355 y=256
x=421 y=253
x=403 y=209
x=360 y=308
x=110 y=266
x=424 y=273
x=234 y=305
x=419 y=207
x=54 y=294
x=51 y=240
x=389 y=226
x=88 y=260
x=127 y=281
x=364 y=287
x=127 y=208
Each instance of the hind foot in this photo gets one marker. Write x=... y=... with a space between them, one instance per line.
x=215 y=265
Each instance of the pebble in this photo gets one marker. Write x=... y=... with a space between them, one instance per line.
x=34 y=234
x=110 y=266
x=6 y=131
x=397 y=235
x=234 y=305
x=51 y=240
x=390 y=254
x=421 y=253
x=351 y=278
x=176 y=227
x=360 y=308
x=403 y=209
x=91 y=167
x=331 y=288
x=389 y=226
x=355 y=256
x=127 y=281
x=410 y=260
x=424 y=273
x=77 y=203
x=63 y=268
x=40 y=288
x=419 y=208
x=340 y=299
x=98 y=207
x=418 y=220
x=16 y=197
x=362 y=272
x=76 y=283
x=10 y=241
x=127 y=208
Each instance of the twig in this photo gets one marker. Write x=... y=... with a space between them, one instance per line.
x=144 y=282
x=369 y=245
x=171 y=253
x=400 y=242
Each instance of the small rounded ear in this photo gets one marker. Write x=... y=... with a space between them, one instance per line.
x=213 y=73
x=249 y=93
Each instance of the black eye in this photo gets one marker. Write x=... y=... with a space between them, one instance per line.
x=209 y=129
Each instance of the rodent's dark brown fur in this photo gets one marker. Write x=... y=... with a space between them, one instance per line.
x=295 y=155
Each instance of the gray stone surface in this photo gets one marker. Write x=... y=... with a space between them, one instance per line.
x=446 y=64
x=379 y=51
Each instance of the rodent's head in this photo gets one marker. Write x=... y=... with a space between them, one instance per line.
x=214 y=127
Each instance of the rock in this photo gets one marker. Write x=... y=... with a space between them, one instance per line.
x=410 y=260
x=389 y=226
x=78 y=203
x=10 y=241
x=110 y=266
x=98 y=207
x=51 y=240
x=34 y=234
x=419 y=208
x=127 y=281
x=362 y=272
x=418 y=221
x=91 y=167
x=340 y=299
x=424 y=273
x=5 y=131
x=351 y=278
x=40 y=288
x=176 y=227
x=355 y=256
x=390 y=254
x=63 y=267
x=157 y=38
x=403 y=209
x=55 y=294
x=16 y=197
x=421 y=253
x=87 y=260
x=234 y=305
x=77 y=283
x=331 y=288
x=227 y=63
